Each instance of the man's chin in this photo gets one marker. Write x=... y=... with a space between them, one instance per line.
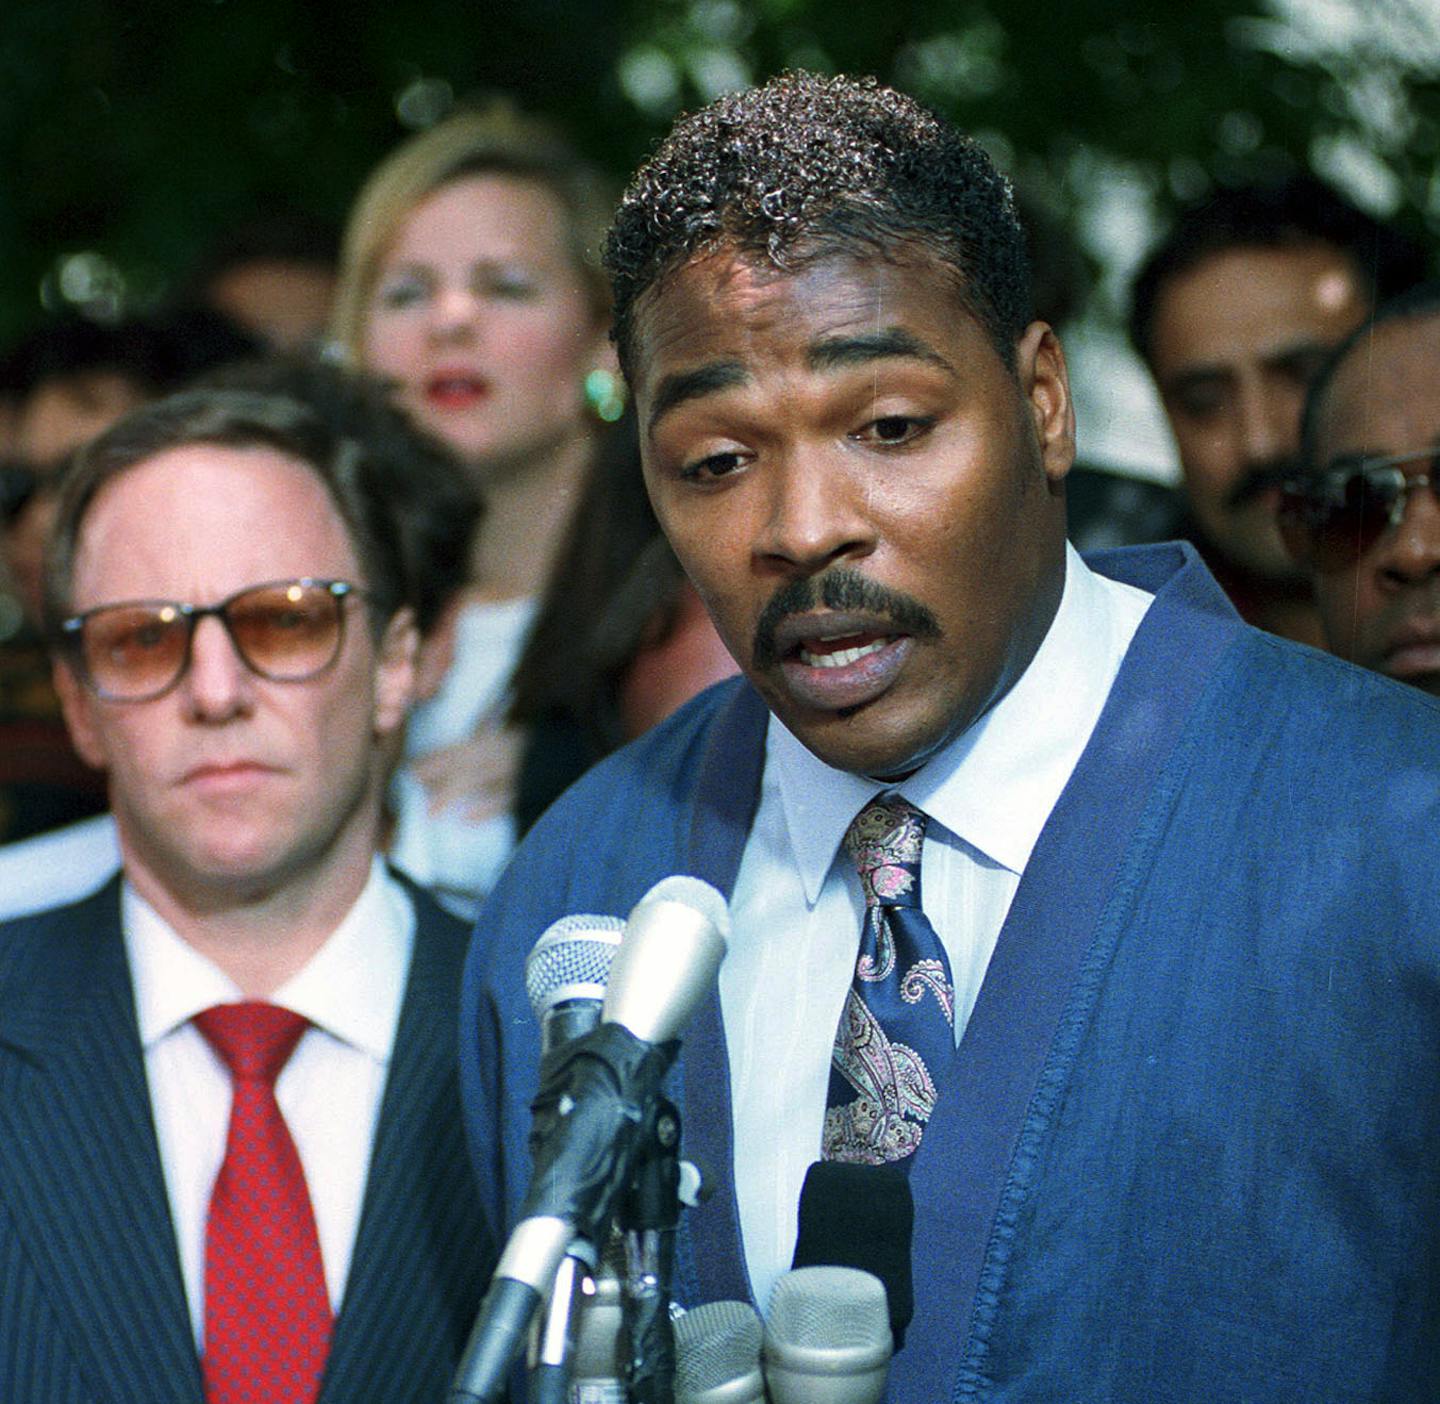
x=862 y=740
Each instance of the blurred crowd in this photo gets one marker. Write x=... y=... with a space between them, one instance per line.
x=555 y=623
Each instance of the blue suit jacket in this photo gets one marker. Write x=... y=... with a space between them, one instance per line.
x=92 y=1303
x=1188 y=1147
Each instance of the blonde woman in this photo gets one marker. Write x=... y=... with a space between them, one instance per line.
x=469 y=280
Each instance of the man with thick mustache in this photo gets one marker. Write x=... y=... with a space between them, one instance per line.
x=1233 y=313
x=1096 y=912
x=1363 y=514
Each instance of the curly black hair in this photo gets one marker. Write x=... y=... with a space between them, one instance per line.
x=805 y=167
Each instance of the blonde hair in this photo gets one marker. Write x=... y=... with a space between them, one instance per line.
x=496 y=138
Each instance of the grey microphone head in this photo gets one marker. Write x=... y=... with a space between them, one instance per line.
x=717 y=1355
x=668 y=957
x=827 y=1339
x=571 y=960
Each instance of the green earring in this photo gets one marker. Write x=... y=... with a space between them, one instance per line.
x=605 y=394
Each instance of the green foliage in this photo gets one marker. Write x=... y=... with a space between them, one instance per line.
x=137 y=129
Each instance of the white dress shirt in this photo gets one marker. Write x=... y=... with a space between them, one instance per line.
x=797 y=907
x=329 y=1091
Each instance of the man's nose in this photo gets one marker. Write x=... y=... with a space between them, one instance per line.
x=217 y=685
x=1410 y=553
x=1269 y=423
x=816 y=512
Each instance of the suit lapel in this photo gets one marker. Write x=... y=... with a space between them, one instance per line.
x=711 y=1258
x=1007 y=1076
x=80 y=1166
x=422 y=1255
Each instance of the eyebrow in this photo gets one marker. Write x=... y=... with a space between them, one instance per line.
x=889 y=343
x=1281 y=358
x=832 y=353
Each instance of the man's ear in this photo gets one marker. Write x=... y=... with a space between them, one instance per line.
x=78 y=705
x=395 y=657
x=1045 y=382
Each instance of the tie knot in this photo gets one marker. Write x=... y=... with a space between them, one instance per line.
x=253 y=1038
x=884 y=842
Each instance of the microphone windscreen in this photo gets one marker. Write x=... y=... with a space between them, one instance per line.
x=827 y=1338
x=861 y=1216
x=571 y=960
x=717 y=1355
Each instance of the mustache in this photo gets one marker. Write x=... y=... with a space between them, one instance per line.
x=842 y=588
x=1260 y=479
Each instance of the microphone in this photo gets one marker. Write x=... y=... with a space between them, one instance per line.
x=566 y=974
x=565 y=977
x=717 y=1355
x=589 y=1112
x=861 y=1216
x=827 y=1340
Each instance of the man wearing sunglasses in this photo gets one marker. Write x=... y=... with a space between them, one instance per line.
x=1363 y=515
x=230 y=1162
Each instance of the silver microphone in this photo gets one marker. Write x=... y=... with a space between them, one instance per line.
x=565 y=977
x=669 y=956
x=827 y=1338
x=666 y=962
x=566 y=974
x=717 y=1355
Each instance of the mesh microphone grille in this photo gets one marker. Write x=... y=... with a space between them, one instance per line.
x=716 y=1343
x=572 y=960
x=829 y=1308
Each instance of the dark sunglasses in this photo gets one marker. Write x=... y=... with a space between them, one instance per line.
x=135 y=651
x=1333 y=518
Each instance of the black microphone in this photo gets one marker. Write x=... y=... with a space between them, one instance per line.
x=589 y=1112
x=827 y=1338
x=861 y=1216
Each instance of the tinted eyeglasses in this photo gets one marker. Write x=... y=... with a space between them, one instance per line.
x=1331 y=519
x=283 y=630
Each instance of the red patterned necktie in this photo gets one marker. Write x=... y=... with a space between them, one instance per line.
x=897 y=1029
x=267 y=1315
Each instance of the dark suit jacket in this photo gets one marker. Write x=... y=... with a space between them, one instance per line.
x=92 y=1303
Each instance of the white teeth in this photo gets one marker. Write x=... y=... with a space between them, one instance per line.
x=841 y=657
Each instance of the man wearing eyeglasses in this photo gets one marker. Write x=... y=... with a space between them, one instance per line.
x=230 y=1163
x=1363 y=515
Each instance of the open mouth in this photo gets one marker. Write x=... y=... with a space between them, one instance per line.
x=842 y=666
x=455 y=390
x=842 y=651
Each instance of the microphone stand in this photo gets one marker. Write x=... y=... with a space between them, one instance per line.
x=647 y=1214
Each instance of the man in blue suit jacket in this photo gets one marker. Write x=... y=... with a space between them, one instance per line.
x=1182 y=872
x=232 y=608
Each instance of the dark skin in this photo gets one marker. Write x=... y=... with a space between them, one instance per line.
x=866 y=498
x=1383 y=611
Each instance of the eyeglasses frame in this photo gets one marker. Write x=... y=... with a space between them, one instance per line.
x=1304 y=493
x=72 y=631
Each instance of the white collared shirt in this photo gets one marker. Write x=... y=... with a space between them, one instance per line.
x=797 y=906
x=329 y=1091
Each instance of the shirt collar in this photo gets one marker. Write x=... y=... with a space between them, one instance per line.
x=351 y=987
x=1024 y=748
